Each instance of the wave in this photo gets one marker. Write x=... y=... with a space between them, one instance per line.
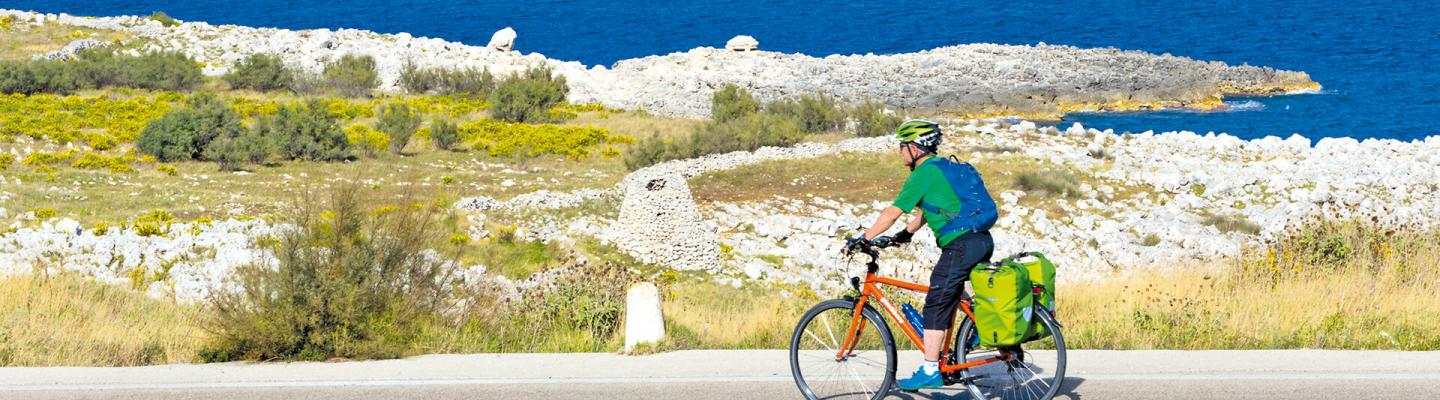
x=1247 y=105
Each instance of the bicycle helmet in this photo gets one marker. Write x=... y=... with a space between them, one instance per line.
x=922 y=133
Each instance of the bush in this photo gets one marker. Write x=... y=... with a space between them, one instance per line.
x=99 y=67
x=815 y=113
x=1231 y=223
x=165 y=70
x=1060 y=183
x=231 y=152
x=443 y=134
x=305 y=132
x=731 y=102
x=351 y=75
x=348 y=281
x=368 y=140
x=164 y=19
x=503 y=139
x=871 y=119
x=37 y=77
x=748 y=133
x=262 y=72
x=443 y=81
x=398 y=122
x=528 y=96
x=183 y=134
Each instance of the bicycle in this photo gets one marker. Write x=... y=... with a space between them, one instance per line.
x=851 y=367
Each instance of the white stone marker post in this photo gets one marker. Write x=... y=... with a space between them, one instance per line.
x=643 y=321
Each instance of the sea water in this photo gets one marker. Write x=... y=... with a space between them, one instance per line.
x=1379 y=62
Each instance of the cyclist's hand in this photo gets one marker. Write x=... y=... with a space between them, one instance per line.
x=882 y=241
x=903 y=237
x=856 y=243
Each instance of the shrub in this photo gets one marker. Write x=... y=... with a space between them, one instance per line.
x=262 y=72
x=815 y=113
x=167 y=169
x=1054 y=182
x=305 y=132
x=444 y=81
x=1231 y=223
x=100 y=67
x=164 y=19
x=5 y=160
x=345 y=282
x=443 y=134
x=231 y=152
x=731 y=102
x=871 y=119
x=525 y=140
x=528 y=96
x=368 y=140
x=351 y=75
x=398 y=122
x=37 y=77
x=748 y=133
x=183 y=134
x=88 y=160
x=164 y=70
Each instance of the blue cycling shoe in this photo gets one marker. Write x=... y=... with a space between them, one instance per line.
x=921 y=380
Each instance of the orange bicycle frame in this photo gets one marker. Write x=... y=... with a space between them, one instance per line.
x=871 y=289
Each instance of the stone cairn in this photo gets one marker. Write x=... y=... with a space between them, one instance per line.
x=660 y=223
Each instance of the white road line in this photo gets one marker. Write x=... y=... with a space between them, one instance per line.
x=667 y=380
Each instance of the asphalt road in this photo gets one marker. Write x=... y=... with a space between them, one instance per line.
x=731 y=375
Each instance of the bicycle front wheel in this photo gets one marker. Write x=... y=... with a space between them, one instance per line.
x=867 y=371
x=1035 y=372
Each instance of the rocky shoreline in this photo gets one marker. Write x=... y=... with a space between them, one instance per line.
x=1177 y=177
x=974 y=80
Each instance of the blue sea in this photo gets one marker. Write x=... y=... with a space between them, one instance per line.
x=1379 y=62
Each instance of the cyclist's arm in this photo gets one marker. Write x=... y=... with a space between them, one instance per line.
x=916 y=223
x=884 y=222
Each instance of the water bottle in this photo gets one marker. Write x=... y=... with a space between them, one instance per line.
x=917 y=321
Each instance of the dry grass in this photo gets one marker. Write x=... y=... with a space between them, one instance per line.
x=73 y=321
x=20 y=42
x=1332 y=285
x=707 y=315
x=637 y=123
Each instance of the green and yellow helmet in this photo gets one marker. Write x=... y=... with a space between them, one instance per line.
x=921 y=132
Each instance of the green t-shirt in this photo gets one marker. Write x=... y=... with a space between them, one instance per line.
x=928 y=183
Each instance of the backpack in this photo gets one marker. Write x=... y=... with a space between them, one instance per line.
x=1042 y=273
x=977 y=209
x=1003 y=301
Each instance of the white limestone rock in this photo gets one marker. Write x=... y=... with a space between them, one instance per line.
x=742 y=43
x=503 y=40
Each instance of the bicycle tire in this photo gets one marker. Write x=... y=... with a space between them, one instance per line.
x=876 y=324
x=1043 y=391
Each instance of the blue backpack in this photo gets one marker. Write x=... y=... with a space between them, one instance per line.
x=977 y=209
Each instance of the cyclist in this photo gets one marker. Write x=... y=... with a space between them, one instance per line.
x=961 y=248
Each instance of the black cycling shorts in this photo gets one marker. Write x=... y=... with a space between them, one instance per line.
x=947 y=281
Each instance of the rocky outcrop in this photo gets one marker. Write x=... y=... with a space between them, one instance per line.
x=742 y=43
x=968 y=80
x=71 y=49
x=502 y=40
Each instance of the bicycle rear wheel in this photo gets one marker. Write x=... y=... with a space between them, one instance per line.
x=866 y=372
x=1036 y=372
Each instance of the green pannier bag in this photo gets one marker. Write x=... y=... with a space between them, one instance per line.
x=1003 y=301
x=1042 y=274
